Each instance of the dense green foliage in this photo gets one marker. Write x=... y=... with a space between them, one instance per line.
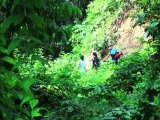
x=149 y=14
x=93 y=31
x=29 y=25
x=35 y=85
x=82 y=4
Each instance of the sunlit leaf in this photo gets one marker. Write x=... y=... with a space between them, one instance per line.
x=19 y=63
x=36 y=112
x=9 y=60
x=12 y=81
x=153 y=24
x=140 y=19
x=146 y=34
x=39 y=58
x=28 y=83
x=26 y=99
x=2 y=50
x=33 y=103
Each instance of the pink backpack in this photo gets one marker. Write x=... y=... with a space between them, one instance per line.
x=117 y=55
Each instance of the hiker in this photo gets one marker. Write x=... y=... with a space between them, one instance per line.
x=113 y=52
x=96 y=61
x=82 y=64
x=115 y=55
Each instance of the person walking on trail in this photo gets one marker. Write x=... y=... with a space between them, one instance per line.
x=115 y=55
x=96 y=61
x=113 y=52
x=82 y=64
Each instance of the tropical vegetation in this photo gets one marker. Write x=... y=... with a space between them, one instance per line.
x=41 y=41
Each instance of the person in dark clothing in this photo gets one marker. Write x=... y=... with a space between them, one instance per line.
x=96 y=61
x=113 y=52
x=115 y=55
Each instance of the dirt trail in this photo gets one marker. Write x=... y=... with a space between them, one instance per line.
x=127 y=41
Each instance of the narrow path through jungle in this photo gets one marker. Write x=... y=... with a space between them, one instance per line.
x=127 y=42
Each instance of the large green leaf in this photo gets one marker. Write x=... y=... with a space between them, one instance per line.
x=13 y=44
x=143 y=1
x=33 y=102
x=9 y=60
x=69 y=7
x=6 y=24
x=26 y=99
x=153 y=24
x=140 y=19
x=146 y=34
x=3 y=41
x=76 y=11
x=64 y=35
x=45 y=36
x=15 y=3
x=28 y=83
x=36 y=40
x=79 y=12
x=36 y=19
x=18 y=19
x=3 y=2
x=12 y=81
x=19 y=63
x=39 y=58
x=2 y=50
x=35 y=112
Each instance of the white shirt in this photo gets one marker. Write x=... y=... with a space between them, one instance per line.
x=82 y=65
